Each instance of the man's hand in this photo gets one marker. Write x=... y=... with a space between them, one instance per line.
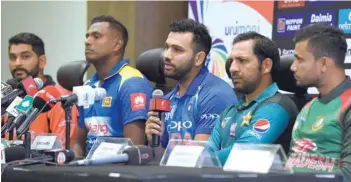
x=153 y=125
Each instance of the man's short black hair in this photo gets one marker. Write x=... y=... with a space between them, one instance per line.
x=202 y=39
x=30 y=39
x=324 y=41
x=264 y=48
x=115 y=25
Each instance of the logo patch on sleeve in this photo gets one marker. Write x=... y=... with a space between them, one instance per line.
x=262 y=126
x=107 y=102
x=138 y=101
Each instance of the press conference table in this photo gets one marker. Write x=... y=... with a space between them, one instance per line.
x=150 y=173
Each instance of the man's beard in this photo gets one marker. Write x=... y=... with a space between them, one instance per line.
x=34 y=73
x=180 y=73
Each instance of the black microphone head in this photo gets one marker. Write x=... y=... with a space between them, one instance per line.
x=14 y=153
x=139 y=155
x=40 y=103
x=12 y=82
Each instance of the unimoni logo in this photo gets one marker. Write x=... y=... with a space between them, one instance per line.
x=238 y=29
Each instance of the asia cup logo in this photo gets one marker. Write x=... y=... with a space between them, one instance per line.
x=215 y=61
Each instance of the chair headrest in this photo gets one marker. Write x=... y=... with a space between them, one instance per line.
x=71 y=74
x=150 y=63
x=286 y=80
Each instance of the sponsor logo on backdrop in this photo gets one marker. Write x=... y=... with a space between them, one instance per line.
x=345 y=20
x=291 y=4
x=327 y=17
x=348 y=52
x=320 y=2
x=288 y=24
x=241 y=27
x=283 y=52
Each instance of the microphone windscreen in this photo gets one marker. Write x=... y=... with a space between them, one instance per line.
x=157 y=93
x=12 y=82
x=139 y=155
x=14 y=153
x=43 y=96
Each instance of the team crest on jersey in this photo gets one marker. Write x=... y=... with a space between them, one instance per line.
x=232 y=130
x=261 y=126
x=318 y=124
x=107 y=102
x=225 y=121
x=190 y=105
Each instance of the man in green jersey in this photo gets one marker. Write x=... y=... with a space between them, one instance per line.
x=321 y=137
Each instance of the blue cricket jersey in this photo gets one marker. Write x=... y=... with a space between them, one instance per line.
x=196 y=111
x=127 y=99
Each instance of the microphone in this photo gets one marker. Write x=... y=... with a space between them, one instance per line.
x=12 y=114
x=40 y=104
x=14 y=153
x=135 y=155
x=160 y=105
x=12 y=82
x=5 y=89
x=24 y=107
x=77 y=96
x=28 y=86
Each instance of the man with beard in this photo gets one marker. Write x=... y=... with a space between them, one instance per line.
x=199 y=96
x=27 y=58
x=321 y=138
x=263 y=114
x=123 y=112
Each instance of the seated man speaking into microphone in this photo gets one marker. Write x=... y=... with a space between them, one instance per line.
x=27 y=58
x=254 y=63
x=123 y=112
x=199 y=96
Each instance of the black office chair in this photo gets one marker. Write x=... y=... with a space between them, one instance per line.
x=71 y=74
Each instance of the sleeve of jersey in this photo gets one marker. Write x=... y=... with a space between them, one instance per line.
x=81 y=122
x=214 y=141
x=346 y=148
x=266 y=125
x=210 y=106
x=135 y=95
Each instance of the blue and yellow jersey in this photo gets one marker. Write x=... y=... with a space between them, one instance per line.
x=127 y=98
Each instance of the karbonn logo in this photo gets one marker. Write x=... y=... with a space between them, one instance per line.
x=286 y=51
x=178 y=125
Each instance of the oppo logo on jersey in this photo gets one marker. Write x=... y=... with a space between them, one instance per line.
x=178 y=125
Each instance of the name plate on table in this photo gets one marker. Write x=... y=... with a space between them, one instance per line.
x=184 y=156
x=43 y=142
x=256 y=158
x=106 y=149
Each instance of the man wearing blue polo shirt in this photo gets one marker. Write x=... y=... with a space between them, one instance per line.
x=199 y=96
x=262 y=115
x=123 y=112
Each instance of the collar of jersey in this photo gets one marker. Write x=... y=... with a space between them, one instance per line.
x=268 y=92
x=115 y=70
x=195 y=83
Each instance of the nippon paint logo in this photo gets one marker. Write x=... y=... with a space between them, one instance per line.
x=288 y=24
x=326 y=17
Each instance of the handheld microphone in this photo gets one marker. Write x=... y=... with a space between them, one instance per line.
x=5 y=89
x=13 y=153
x=135 y=155
x=40 y=104
x=160 y=105
x=12 y=114
x=12 y=82
x=28 y=86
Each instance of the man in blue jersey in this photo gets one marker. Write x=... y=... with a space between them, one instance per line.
x=123 y=112
x=263 y=114
x=199 y=96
